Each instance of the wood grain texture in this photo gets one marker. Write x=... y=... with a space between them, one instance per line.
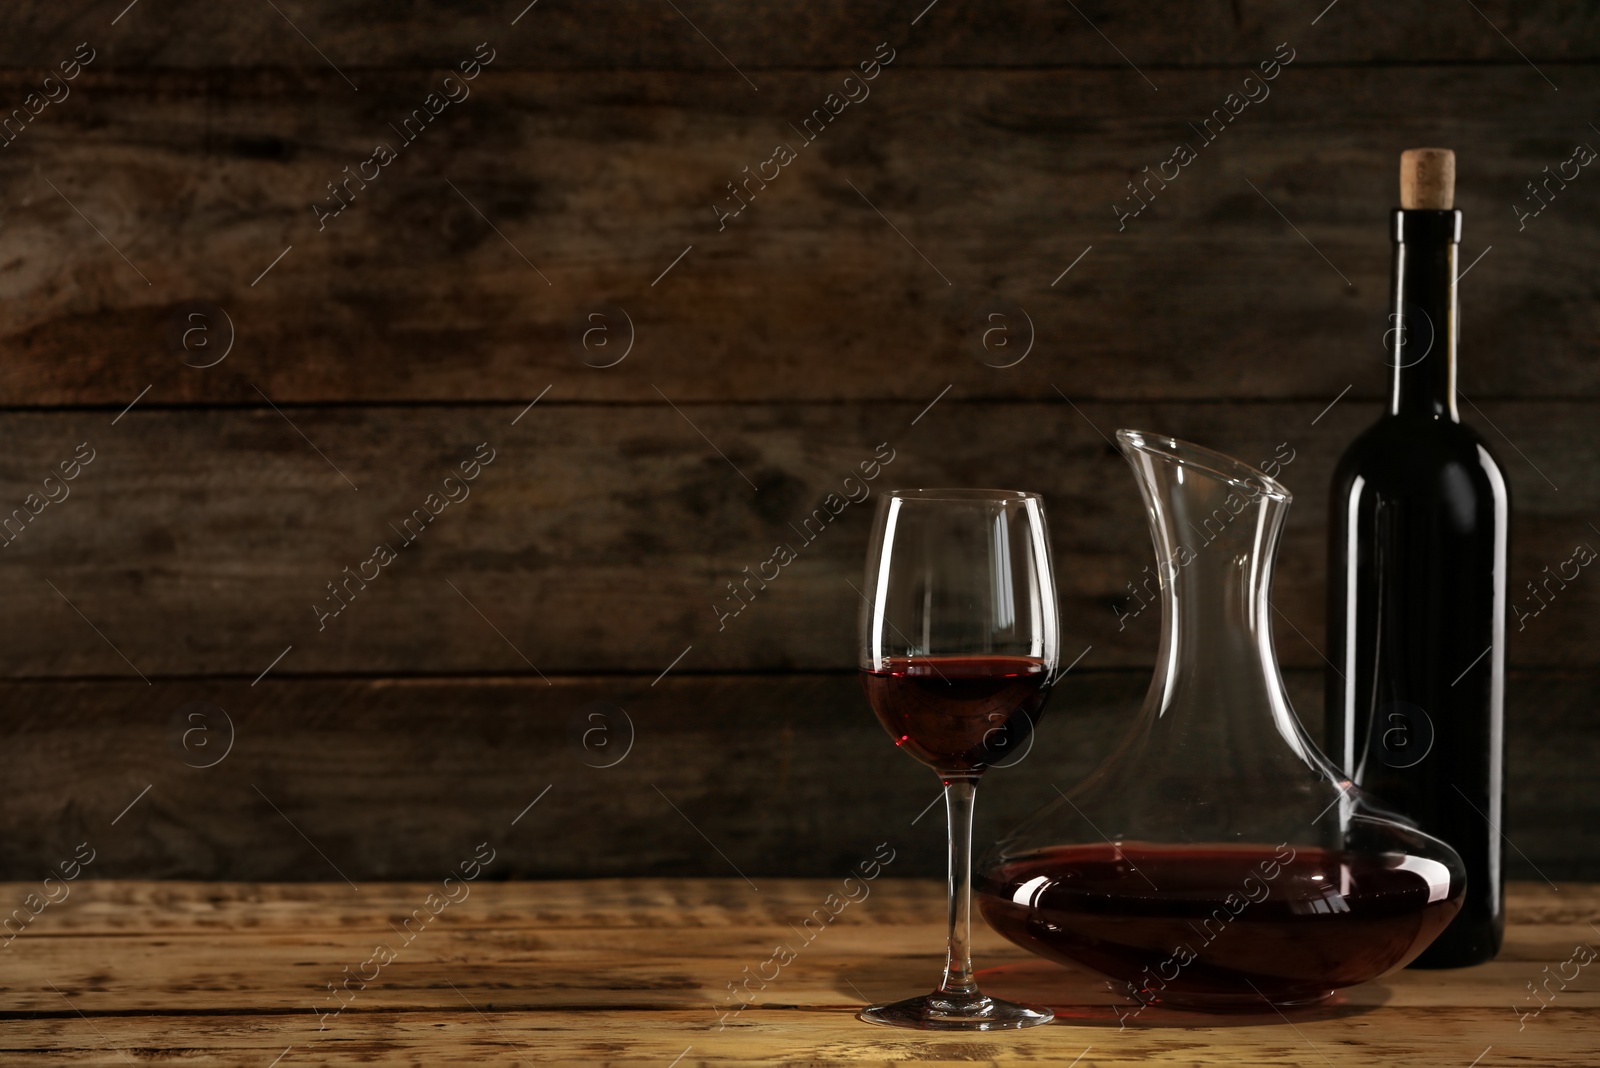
x=567 y=35
x=635 y=972
x=577 y=190
x=1414 y=1038
x=605 y=538
x=767 y=775
x=457 y=286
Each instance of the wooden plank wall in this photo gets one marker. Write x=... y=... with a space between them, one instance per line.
x=261 y=390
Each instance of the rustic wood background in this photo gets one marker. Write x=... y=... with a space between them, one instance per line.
x=160 y=616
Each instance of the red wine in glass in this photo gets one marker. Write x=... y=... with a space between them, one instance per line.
x=959 y=714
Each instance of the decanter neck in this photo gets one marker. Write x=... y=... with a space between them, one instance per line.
x=1215 y=523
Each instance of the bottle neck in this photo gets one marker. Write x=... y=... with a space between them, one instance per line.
x=1423 y=315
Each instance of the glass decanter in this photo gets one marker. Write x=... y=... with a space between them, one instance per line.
x=1217 y=860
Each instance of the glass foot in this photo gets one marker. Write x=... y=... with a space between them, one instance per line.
x=957 y=1012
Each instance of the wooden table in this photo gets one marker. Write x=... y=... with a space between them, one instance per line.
x=637 y=971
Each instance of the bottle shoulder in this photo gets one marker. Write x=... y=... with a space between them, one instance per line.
x=1406 y=453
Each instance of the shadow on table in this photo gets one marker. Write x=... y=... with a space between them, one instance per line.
x=1085 y=999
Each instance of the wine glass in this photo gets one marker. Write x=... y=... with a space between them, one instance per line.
x=959 y=647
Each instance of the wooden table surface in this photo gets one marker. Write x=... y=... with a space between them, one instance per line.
x=638 y=971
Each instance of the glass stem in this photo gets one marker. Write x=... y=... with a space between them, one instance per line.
x=958 y=799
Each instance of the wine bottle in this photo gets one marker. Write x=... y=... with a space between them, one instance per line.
x=1417 y=540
